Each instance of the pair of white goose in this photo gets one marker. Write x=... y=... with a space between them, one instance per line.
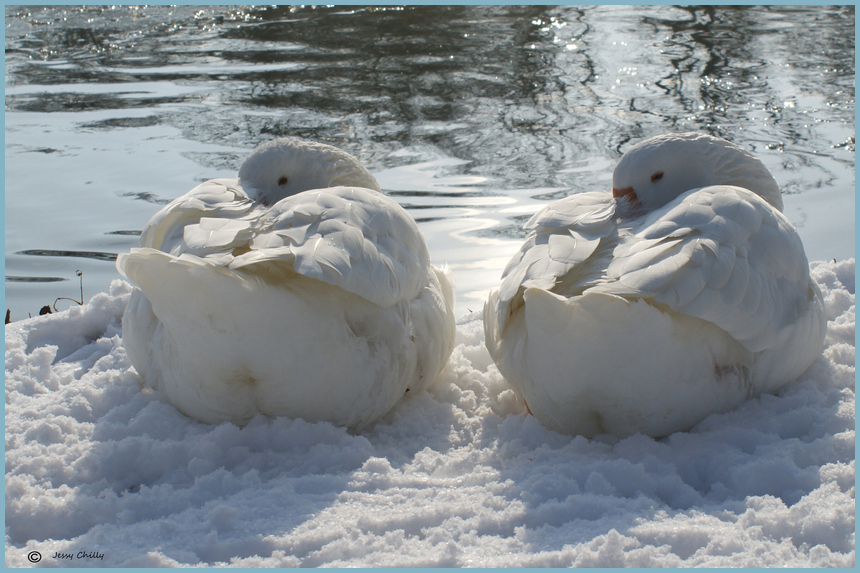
x=301 y=290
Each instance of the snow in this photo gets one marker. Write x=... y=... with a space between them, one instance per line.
x=456 y=476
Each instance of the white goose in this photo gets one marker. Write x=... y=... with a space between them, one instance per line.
x=297 y=290
x=682 y=294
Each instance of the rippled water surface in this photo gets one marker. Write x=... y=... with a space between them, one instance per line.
x=470 y=117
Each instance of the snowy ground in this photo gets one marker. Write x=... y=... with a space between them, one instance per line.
x=454 y=477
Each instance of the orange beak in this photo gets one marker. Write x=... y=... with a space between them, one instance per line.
x=629 y=193
x=626 y=192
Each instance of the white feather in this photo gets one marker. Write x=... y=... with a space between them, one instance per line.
x=319 y=303
x=708 y=290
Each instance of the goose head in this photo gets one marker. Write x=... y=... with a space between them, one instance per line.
x=657 y=170
x=285 y=166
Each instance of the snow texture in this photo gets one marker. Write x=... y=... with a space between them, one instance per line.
x=455 y=476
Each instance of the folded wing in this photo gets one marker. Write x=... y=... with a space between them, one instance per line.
x=721 y=254
x=350 y=237
x=354 y=238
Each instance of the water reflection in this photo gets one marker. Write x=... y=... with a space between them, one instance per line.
x=82 y=254
x=472 y=117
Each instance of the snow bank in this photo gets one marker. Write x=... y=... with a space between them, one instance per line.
x=457 y=476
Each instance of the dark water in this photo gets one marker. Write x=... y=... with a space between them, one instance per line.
x=471 y=117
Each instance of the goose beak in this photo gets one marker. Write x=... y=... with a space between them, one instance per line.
x=626 y=192
x=629 y=194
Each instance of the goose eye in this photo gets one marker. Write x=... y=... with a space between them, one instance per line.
x=657 y=177
x=283 y=181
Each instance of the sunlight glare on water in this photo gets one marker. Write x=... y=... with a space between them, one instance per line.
x=471 y=117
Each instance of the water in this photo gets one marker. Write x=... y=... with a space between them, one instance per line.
x=471 y=117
